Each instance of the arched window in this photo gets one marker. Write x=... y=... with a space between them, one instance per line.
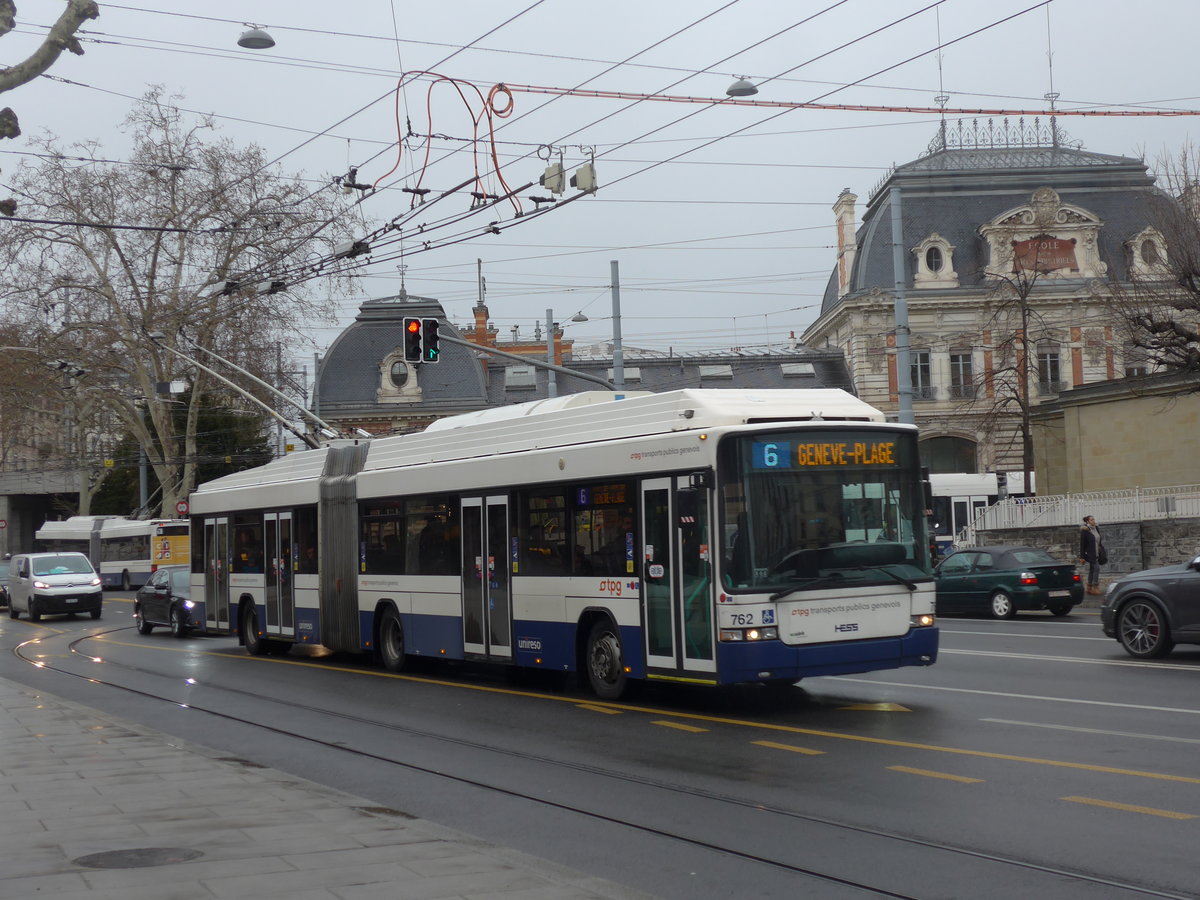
x=1149 y=252
x=398 y=374
x=934 y=259
x=949 y=454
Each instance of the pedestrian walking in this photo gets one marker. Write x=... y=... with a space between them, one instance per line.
x=1092 y=552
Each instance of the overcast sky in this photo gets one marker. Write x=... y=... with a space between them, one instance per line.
x=719 y=216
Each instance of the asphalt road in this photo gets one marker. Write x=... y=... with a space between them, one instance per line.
x=1035 y=759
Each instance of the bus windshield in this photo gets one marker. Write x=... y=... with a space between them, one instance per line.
x=820 y=509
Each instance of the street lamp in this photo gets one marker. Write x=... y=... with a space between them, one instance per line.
x=741 y=88
x=256 y=39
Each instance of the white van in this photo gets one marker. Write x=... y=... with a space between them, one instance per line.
x=47 y=583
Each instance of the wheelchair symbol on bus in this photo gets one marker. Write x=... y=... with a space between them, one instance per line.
x=768 y=617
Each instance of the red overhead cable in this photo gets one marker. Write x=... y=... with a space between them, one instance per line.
x=852 y=107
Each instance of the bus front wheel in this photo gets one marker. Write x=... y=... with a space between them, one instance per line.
x=391 y=640
x=605 y=662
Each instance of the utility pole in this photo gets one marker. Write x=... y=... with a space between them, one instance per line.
x=551 y=383
x=903 y=364
x=618 y=353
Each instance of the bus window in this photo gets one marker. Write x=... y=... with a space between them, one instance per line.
x=543 y=533
x=248 y=545
x=605 y=538
x=305 y=536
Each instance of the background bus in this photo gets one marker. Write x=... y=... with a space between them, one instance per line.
x=959 y=498
x=124 y=551
x=704 y=537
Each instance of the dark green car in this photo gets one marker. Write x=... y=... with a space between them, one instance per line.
x=998 y=581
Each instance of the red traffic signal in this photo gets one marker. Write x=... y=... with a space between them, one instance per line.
x=413 y=344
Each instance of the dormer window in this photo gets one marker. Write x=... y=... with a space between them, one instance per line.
x=935 y=263
x=1148 y=255
x=397 y=380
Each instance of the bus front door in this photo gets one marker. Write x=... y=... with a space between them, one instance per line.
x=279 y=595
x=216 y=574
x=486 y=578
x=677 y=594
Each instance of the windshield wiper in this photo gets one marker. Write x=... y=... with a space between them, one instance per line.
x=836 y=577
x=911 y=585
x=823 y=580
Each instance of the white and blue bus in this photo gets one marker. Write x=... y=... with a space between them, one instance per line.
x=125 y=552
x=697 y=536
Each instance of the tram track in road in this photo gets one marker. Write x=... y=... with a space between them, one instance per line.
x=750 y=857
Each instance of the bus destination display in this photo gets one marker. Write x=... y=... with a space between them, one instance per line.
x=831 y=454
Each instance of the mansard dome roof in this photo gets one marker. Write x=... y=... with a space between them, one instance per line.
x=954 y=190
x=350 y=372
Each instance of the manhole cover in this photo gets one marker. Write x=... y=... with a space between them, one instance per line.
x=137 y=859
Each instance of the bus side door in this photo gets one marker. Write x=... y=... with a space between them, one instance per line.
x=677 y=596
x=216 y=573
x=279 y=593
x=487 y=577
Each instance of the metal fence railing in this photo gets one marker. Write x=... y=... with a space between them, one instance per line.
x=1130 y=505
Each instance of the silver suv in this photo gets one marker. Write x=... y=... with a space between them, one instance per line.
x=41 y=583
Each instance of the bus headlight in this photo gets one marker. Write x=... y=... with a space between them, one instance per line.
x=924 y=621
x=750 y=634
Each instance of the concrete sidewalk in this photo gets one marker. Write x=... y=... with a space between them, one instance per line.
x=95 y=807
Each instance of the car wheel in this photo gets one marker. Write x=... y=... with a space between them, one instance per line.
x=1001 y=606
x=1060 y=609
x=143 y=626
x=35 y=614
x=605 y=662
x=391 y=640
x=95 y=613
x=12 y=612
x=254 y=642
x=178 y=629
x=1142 y=630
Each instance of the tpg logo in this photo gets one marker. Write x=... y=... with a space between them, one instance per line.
x=610 y=586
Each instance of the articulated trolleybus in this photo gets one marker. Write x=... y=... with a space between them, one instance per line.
x=697 y=536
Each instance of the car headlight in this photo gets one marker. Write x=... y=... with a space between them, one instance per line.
x=188 y=604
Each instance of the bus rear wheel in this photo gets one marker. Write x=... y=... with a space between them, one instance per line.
x=253 y=641
x=391 y=640
x=605 y=661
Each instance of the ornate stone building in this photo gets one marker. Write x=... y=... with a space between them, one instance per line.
x=1008 y=243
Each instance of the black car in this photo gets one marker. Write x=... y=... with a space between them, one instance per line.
x=5 y=564
x=1001 y=580
x=1151 y=611
x=166 y=600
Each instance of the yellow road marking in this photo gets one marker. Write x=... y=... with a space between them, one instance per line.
x=696 y=717
x=608 y=711
x=945 y=776
x=679 y=726
x=1126 y=807
x=790 y=747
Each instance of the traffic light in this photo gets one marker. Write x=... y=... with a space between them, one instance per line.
x=429 y=334
x=413 y=344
